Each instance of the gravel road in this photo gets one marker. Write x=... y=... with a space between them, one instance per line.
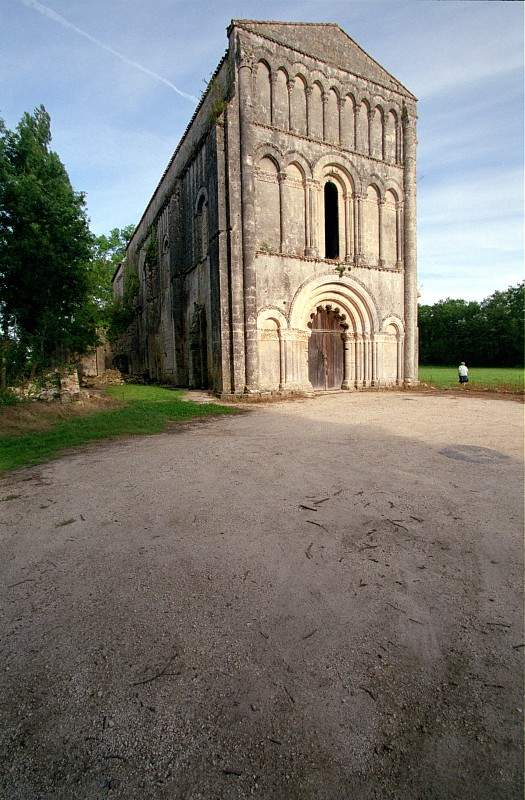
x=313 y=600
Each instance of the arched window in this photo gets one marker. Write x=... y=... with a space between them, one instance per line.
x=201 y=229
x=331 y=221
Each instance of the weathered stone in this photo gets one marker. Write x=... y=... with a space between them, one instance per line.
x=279 y=248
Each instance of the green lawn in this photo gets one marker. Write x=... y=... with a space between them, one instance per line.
x=504 y=379
x=143 y=410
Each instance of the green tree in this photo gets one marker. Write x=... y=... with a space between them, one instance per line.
x=487 y=334
x=108 y=251
x=45 y=249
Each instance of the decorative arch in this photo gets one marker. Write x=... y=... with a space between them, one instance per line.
x=271 y=323
x=200 y=228
x=315 y=111
x=377 y=132
x=363 y=127
x=373 y=179
x=340 y=162
x=298 y=105
x=294 y=157
x=392 y=135
x=348 y=293
x=395 y=321
x=281 y=105
x=331 y=115
x=263 y=92
x=392 y=334
x=391 y=224
x=348 y=122
x=268 y=150
x=271 y=314
x=268 y=199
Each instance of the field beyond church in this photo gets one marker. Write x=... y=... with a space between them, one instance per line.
x=506 y=379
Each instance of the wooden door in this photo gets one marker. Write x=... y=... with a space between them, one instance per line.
x=326 y=350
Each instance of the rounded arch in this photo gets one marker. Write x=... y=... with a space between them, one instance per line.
x=394 y=321
x=293 y=157
x=340 y=162
x=267 y=150
x=347 y=294
x=200 y=198
x=377 y=182
x=271 y=314
x=391 y=185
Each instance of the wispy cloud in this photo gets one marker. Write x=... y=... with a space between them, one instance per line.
x=58 y=18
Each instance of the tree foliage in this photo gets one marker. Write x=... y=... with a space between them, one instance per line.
x=108 y=251
x=487 y=334
x=45 y=252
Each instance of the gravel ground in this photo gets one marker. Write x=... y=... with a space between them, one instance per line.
x=314 y=600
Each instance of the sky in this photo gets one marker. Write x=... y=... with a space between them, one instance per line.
x=120 y=77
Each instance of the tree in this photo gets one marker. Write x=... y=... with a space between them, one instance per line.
x=487 y=334
x=45 y=250
x=108 y=251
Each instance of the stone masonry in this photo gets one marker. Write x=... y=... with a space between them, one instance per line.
x=278 y=252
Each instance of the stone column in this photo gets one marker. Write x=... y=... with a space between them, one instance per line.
x=308 y=246
x=340 y=106
x=289 y=86
x=399 y=231
x=325 y=106
x=381 y=261
x=348 y=377
x=348 y=225
x=308 y=92
x=370 y=118
x=375 y=371
x=358 y=360
x=282 y=359
x=399 y=145
x=273 y=81
x=410 y=249
x=312 y=192
x=245 y=61
x=281 y=177
x=356 y=123
x=358 y=200
x=399 y=342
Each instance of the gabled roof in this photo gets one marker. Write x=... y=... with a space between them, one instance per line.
x=327 y=42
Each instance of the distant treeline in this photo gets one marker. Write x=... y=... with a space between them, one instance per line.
x=485 y=334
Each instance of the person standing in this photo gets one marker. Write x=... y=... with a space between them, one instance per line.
x=463 y=372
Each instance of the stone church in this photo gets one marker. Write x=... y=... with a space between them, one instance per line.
x=278 y=252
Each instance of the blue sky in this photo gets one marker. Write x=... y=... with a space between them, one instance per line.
x=115 y=126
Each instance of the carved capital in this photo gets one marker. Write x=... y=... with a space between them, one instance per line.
x=371 y=113
x=289 y=85
x=281 y=177
x=341 y=103
x=308 y=91
x=325 y=97
x=244 y=55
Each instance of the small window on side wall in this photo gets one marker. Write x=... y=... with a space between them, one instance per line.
x=331 y=221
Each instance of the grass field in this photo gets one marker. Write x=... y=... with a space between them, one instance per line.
x=136 y=410
x=485 y=378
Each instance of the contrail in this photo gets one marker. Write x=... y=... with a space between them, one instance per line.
x=50 y=14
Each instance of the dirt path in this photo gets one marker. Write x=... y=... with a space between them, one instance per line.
x=317 y=600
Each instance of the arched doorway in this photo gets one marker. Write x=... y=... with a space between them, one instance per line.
x=326 y=349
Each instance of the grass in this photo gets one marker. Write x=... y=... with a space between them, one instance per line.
x=136 y=410
x=505 y=379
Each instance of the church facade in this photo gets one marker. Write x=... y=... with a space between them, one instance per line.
x=278 y=252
